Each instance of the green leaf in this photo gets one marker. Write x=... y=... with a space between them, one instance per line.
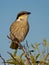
x=37 y=56
x=33 y=59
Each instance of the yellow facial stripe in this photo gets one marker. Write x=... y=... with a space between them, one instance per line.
x=20 y=16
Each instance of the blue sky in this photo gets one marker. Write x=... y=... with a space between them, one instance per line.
x=38 y=20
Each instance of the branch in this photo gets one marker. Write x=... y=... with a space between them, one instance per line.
x=3 y=59
x=12 y=57
x=26 y=54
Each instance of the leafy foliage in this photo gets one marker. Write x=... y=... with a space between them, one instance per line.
x=30 y=57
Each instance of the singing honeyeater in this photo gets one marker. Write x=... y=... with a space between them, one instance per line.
x=19 y=29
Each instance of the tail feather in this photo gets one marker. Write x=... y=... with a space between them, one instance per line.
x=14 y=45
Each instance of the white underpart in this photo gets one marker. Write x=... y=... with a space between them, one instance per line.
x=18 y=19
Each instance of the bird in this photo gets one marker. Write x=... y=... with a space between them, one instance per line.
x=19 y=29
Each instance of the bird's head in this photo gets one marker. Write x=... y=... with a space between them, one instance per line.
x=23 y=16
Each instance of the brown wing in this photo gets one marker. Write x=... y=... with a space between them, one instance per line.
x=19 y=30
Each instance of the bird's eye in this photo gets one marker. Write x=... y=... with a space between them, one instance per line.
x=21 y=19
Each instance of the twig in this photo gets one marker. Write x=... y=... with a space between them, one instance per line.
x=12 y=57
x=26 y=55
x=3 y=59
x=27 y=44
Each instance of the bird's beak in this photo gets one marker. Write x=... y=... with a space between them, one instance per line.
x=29 y=13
